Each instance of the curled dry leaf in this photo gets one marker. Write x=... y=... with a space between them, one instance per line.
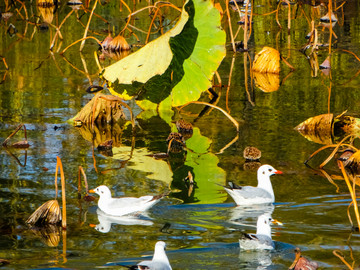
x=47 y=213
x=47 y=13
x=104 y=108
x=118 y=43
x=267 y=61
x=317 y=129
x=353 y=161
x=323 y=128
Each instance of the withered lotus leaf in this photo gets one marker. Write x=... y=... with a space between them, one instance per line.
x=317 y=129
x=267 y=61
x=103 y=108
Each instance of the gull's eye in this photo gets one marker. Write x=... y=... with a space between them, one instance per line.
x=270 y=170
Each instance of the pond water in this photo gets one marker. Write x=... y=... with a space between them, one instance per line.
x=43 y=89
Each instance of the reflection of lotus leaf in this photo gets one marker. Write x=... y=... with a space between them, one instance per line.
x=101 y=133
x=208 y=176
x=157 y=169
x=267 y=82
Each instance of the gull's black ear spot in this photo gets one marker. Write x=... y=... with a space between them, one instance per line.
x=263 y=172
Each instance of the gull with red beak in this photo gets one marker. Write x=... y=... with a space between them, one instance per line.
x=263 y=193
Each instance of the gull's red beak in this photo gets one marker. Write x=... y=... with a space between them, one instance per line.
x=91 y=191
x=278 y=172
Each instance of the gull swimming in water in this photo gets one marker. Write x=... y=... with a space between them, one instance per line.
x=262 y=239
x=123 y=206
x=263 y=193
x=159 y=261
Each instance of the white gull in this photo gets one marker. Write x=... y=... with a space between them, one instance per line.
x=123 y=206
x=263 y=193
x=159 y=261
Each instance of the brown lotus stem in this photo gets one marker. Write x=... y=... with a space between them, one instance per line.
x=334 y=152
x=58 y=29
x=128 y=17
x=331 y=30
x=63 y=222
x=230 y=27
x=341 y=256
x=352 y=192
x=87 y=26
x=229 y=83
x=4 y=61
x=325 y=147
x=12 y=134
x=236 y=123
x=246 y=26
x=77 y=41
x=64 y=245
x=277 y=15
x=81 y=171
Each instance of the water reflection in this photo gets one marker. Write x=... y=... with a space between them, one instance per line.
x=239 y=214
x=105 y=221
x=259 y=259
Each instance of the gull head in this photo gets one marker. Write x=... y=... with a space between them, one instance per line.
x=102 y=191
x=267 y=170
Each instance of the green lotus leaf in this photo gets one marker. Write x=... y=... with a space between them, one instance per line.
x=177 y=66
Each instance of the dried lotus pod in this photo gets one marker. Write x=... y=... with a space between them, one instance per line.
x=185 y=128
x=251 y=153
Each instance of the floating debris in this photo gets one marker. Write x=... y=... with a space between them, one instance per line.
x=20 y=144
x=301 y=263
x=176 y=142
x=326 y=18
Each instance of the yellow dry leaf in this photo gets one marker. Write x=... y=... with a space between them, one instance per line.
x=267 y=61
